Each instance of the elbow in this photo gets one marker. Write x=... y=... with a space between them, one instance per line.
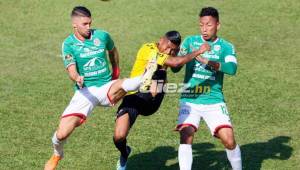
x=177 y=64
x=231 y=71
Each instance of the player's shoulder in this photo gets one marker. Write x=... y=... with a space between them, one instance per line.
x=100 y=32
x=148 y=46
x=68 y=41
x=225 y=43
x=192 y=38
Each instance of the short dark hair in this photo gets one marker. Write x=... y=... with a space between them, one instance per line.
x=209 y=11
x=174 y=37
x=81 y=11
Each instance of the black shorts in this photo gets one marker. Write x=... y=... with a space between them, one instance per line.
x=142 y=103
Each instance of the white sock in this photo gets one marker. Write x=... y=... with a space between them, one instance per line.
x=235 y=158
x=185 y=156
x=58 y=146
x=132 y=84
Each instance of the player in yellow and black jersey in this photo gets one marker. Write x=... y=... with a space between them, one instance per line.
x=157 y=56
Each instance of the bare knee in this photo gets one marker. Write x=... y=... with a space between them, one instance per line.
x=120 y=136
x=122 y=128
x=61 y=134
x=187 y=135
x=227 y=138
x=66 y=127
x=229 y=144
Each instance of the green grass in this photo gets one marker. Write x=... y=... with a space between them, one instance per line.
x=263 y=97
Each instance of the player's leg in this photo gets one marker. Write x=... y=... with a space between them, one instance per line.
x=232 y=149
x=126 y=116
x=119 y=88
x=64 y=130
x=80 y=107
x=122 y=128
x=185 y=155
x=188 y=122
x=218 y=120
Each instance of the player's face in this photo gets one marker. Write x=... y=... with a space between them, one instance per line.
x=82 y=25
x=167 y=47
x=209 y=27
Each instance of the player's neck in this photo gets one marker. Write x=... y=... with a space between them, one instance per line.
x=80 y=37
x=212 y=39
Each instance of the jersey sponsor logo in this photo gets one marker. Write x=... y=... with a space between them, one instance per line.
x=197 y=43
x=94 y=73
x=89 y=52
x=200 y=67
x=97 y=42
x=94 y=64
x=204 y=77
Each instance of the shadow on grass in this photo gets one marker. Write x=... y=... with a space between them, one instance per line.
x=206 y=157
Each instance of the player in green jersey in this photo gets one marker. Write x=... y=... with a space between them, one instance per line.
x=84 y=56
x=203 y=96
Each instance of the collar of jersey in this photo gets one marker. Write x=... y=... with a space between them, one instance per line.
x=74 y=36
x=213 y=42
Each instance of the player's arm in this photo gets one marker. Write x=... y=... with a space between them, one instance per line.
x=74 y=76
x=114 y=60
x=229 y=66
x=113 y=57
x=181 y=60
x=70 y=64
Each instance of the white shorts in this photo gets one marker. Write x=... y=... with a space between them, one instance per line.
x=216 y=116
x=86 y=99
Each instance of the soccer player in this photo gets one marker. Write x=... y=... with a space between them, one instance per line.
x=204 y=97
x=84 y=56
x=146 y=103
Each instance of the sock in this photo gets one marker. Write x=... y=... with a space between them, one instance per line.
x=58 y=146
x=132 y=84
x=121 y=145
x=234 y=157
x=185 y=156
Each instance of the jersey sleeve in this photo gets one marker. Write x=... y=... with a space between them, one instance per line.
x=161 y=58
x=110 y=43
x=229 y=54
x=229 y=66
x=184 y=50
x=184 y=47
x=67 y=55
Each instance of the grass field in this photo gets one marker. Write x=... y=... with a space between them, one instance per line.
x=263 y=97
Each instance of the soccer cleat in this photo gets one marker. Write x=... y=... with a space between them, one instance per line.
x=52 y=162
x=122 y=162
x=147 y=77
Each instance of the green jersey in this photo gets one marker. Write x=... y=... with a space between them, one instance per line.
x=89 y=56
x=203 y=85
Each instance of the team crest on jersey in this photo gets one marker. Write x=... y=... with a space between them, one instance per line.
x=68 y=57
x=217 y=47
x=97 y=42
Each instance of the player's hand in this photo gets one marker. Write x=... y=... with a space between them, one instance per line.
x=201 y=60
x=204 y=47
x=115 y=73
x=79 y=81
